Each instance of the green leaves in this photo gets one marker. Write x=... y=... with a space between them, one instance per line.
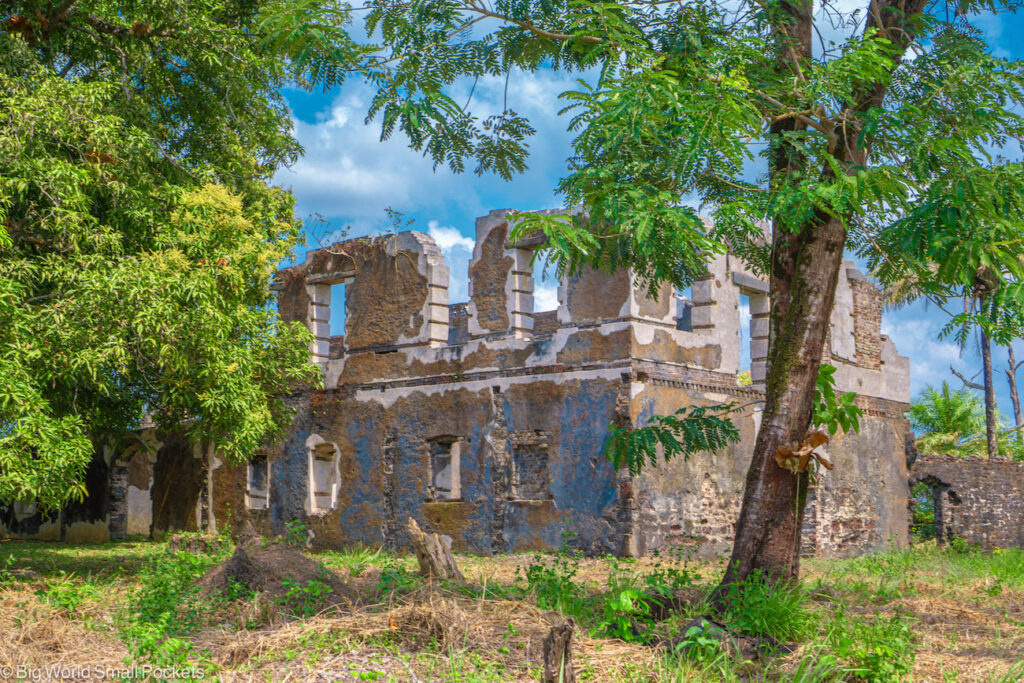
x=138 y=239
x=314 y=38
x=831 y=411
x=686 y=432
x=950 y=422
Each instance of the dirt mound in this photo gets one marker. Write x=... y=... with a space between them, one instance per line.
x=274 y=568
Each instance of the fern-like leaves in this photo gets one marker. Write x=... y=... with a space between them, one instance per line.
x=687 y=431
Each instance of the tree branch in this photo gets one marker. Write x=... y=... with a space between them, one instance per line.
x=967 y=382
x=527 y=26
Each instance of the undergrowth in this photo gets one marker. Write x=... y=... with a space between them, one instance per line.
x=851 y=621
x=166 y=607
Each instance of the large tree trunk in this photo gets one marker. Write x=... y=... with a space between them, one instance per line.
x=990 y=397
x=805 y=269
x=1011 y=377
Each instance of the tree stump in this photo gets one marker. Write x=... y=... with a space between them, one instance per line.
x=558 y=655
x=434 y=553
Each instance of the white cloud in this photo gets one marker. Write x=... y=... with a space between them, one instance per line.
x=349 y=173
x=545 y=298
x=457 y=250
x=448 y=238
x=930 y=357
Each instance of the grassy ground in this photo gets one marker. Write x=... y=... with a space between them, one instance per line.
x=924 y=614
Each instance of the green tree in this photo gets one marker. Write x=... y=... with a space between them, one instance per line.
x=879 y=139
x=138 y=233
x=942 y=419
x=912 y=286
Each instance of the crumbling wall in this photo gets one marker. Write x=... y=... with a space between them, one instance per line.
x=84 y=521
x=977 y=499
x=691 y=503
x=857 y=507
x=489 y=271
x=861 y=504
x=486 y=421
x=396 y=293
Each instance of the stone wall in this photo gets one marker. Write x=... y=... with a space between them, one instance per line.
x=487 y=421
x=518 y=405
x=979 y=500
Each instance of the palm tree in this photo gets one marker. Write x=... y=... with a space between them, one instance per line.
x=947 y=420
x=910 y=287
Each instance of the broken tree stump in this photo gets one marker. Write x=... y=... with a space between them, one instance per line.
x=558 y=655
x=434 y=553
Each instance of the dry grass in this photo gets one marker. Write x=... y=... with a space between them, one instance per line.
x=35 y=634
x=429 y=625
x=967 y=628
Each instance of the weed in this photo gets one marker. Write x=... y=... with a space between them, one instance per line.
x=6 y=577
x=358 y=560
x=165 y=608
x=237 y=590
x=553 y=583
x=759 y=607
x=959 y=544
x=305 y=598
x=68 y=594
x=701 y=643
x=397 y=580
x=882 y=649
x=625 y=615
x=296 y=534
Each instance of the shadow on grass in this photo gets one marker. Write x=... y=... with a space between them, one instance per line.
x=54 y=558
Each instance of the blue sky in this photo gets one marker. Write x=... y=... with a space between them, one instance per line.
x=349 y=177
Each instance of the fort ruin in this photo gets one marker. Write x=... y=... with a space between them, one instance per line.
x=486 y=421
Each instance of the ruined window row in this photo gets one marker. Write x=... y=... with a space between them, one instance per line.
x=327 y=311
x=529 y=467
x=323 y=479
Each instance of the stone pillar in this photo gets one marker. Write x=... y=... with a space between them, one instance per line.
x=702 y=314
x=436 y=329
x=760 y=310
x=318 y=321
x=117 y=501
x=521 y=294
x=943 y=528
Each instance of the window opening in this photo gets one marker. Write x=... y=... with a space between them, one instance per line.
x=684 y=309
x=324 y=476
x=745 y=337
x=257 y=495
x=531 y=476
x=545 y=286
x=336 y=325
x=445 y=469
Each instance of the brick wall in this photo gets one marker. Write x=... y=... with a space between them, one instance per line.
x=867 y=322
x=980 y=500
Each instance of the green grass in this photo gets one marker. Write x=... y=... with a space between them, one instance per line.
x=864 y=618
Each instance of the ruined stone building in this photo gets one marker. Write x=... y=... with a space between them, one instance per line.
x=486 y=421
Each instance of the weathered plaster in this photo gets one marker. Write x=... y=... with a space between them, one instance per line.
x=529 y=399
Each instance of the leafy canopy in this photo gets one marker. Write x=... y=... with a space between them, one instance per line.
x=948 y=421
x=138 y=234
x=896 y=122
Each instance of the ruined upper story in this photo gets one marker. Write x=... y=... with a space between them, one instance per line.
x=401 y=328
